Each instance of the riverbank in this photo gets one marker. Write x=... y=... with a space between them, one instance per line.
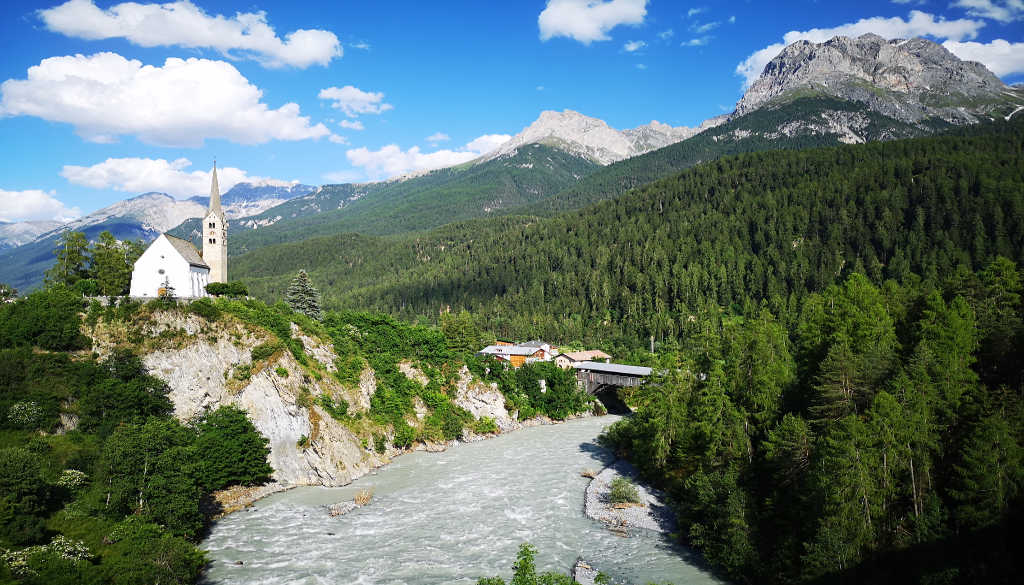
x=238 y=498
x=652 y=514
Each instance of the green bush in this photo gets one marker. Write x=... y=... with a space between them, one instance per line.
x=46 y=318
x=229 y=450
x=205 y=309
x=337 y=408
x=281 y=371
x=623 y=492
x=265 y=350
x=485 y=425
x=231 y=289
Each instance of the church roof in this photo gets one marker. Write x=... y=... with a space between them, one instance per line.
x=187 y=251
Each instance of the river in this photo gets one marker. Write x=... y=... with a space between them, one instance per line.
x=448 y=517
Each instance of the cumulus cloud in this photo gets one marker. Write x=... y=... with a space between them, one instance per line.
x=391 y=160
x=695 y=11
x=438 y=137
x=34 y=204
x=697 y=42
x=633 y=46
x=917 y=24
x=666 y=34
x=1005 y=11
x=180 y=104
x=588 y=20
x=354 y=101
x=352 y=124
x=1000 y=56
x=142 y=175
x=183 y=24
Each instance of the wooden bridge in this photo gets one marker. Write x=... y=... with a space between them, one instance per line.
x=595 y=377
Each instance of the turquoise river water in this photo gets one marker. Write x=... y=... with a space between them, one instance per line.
x=448 y=517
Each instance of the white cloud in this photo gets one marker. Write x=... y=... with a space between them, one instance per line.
x=354 y=101
x=352 y=124
x=183 y=24
x=438 y=137
x=1000 y=56
x=34 y=204
x=732 y=19
x=633 y=46
x=696 y=42
x=337 y=139
x=391 y=160
x=588 y=20
x=1005 y=11
x=142 y=175
x=362 y=45
x=180 y=104
x=917 y=24
x=695 y=11
x=666 y=34
x=641 y=66
x=703 y=28
x=540 y=88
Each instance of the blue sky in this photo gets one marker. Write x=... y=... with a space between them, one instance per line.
x=100 y=101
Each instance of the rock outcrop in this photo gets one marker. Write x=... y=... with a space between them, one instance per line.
x=907 y=80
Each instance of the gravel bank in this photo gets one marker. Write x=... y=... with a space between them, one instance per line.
x=654 y=515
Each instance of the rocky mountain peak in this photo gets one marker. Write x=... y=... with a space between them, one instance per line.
x=592 y=138
x=909 y=80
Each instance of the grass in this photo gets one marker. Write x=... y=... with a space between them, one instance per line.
x=623 y=492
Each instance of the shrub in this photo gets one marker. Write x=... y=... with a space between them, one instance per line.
x=303 y=441
x=485 y=425
x=623 y=492
x=205 y=309
x=229 y=450
x=72 y=479
x=25 y=415
x=281 y=371
x=337 y=408
x=243 y=372
x=231 y=289
x=265 y=350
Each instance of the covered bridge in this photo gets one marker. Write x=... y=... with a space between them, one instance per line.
x=598 y=376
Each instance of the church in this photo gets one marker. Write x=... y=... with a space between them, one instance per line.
x=171 y=264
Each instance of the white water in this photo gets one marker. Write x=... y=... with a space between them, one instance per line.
x=447 y=517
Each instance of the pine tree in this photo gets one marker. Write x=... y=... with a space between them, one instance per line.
x=72 y=259
x=302 y=297
x=110 y=267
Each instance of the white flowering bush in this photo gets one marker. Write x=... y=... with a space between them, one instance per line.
x=72 y=479
x=69 y=550
x=25 y=414
x=20 y=561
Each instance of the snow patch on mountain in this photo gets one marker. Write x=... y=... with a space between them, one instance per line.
x=15 y=234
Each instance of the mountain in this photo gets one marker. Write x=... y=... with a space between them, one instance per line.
x=142 y=217
x=14 y=234
x=757 y=226
x=479 y=188
x=914 y=81
x=591 y=138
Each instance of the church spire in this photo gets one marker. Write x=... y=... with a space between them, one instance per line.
x=215 y=192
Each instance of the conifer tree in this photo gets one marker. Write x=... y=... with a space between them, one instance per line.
x=72 y=259
x=302 y=297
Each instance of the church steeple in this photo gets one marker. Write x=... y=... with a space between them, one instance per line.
x=215 y=234
x=215 y=192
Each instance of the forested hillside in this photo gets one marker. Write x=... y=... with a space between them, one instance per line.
x=532 y=174
x=770 y=225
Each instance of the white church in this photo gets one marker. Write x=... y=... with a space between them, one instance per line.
x=173 y=263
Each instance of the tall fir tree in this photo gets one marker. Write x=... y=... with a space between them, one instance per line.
x=303 y=297
x=72 y=260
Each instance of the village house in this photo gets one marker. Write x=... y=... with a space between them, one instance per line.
x=566 y=360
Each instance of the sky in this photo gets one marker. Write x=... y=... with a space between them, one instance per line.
x=101 y=101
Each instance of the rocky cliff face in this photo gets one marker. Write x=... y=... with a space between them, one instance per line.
x=907 y=80
x=207 y=365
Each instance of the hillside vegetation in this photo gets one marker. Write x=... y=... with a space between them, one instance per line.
x=769 y=225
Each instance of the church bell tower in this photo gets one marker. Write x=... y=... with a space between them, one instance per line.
x=215 y=235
